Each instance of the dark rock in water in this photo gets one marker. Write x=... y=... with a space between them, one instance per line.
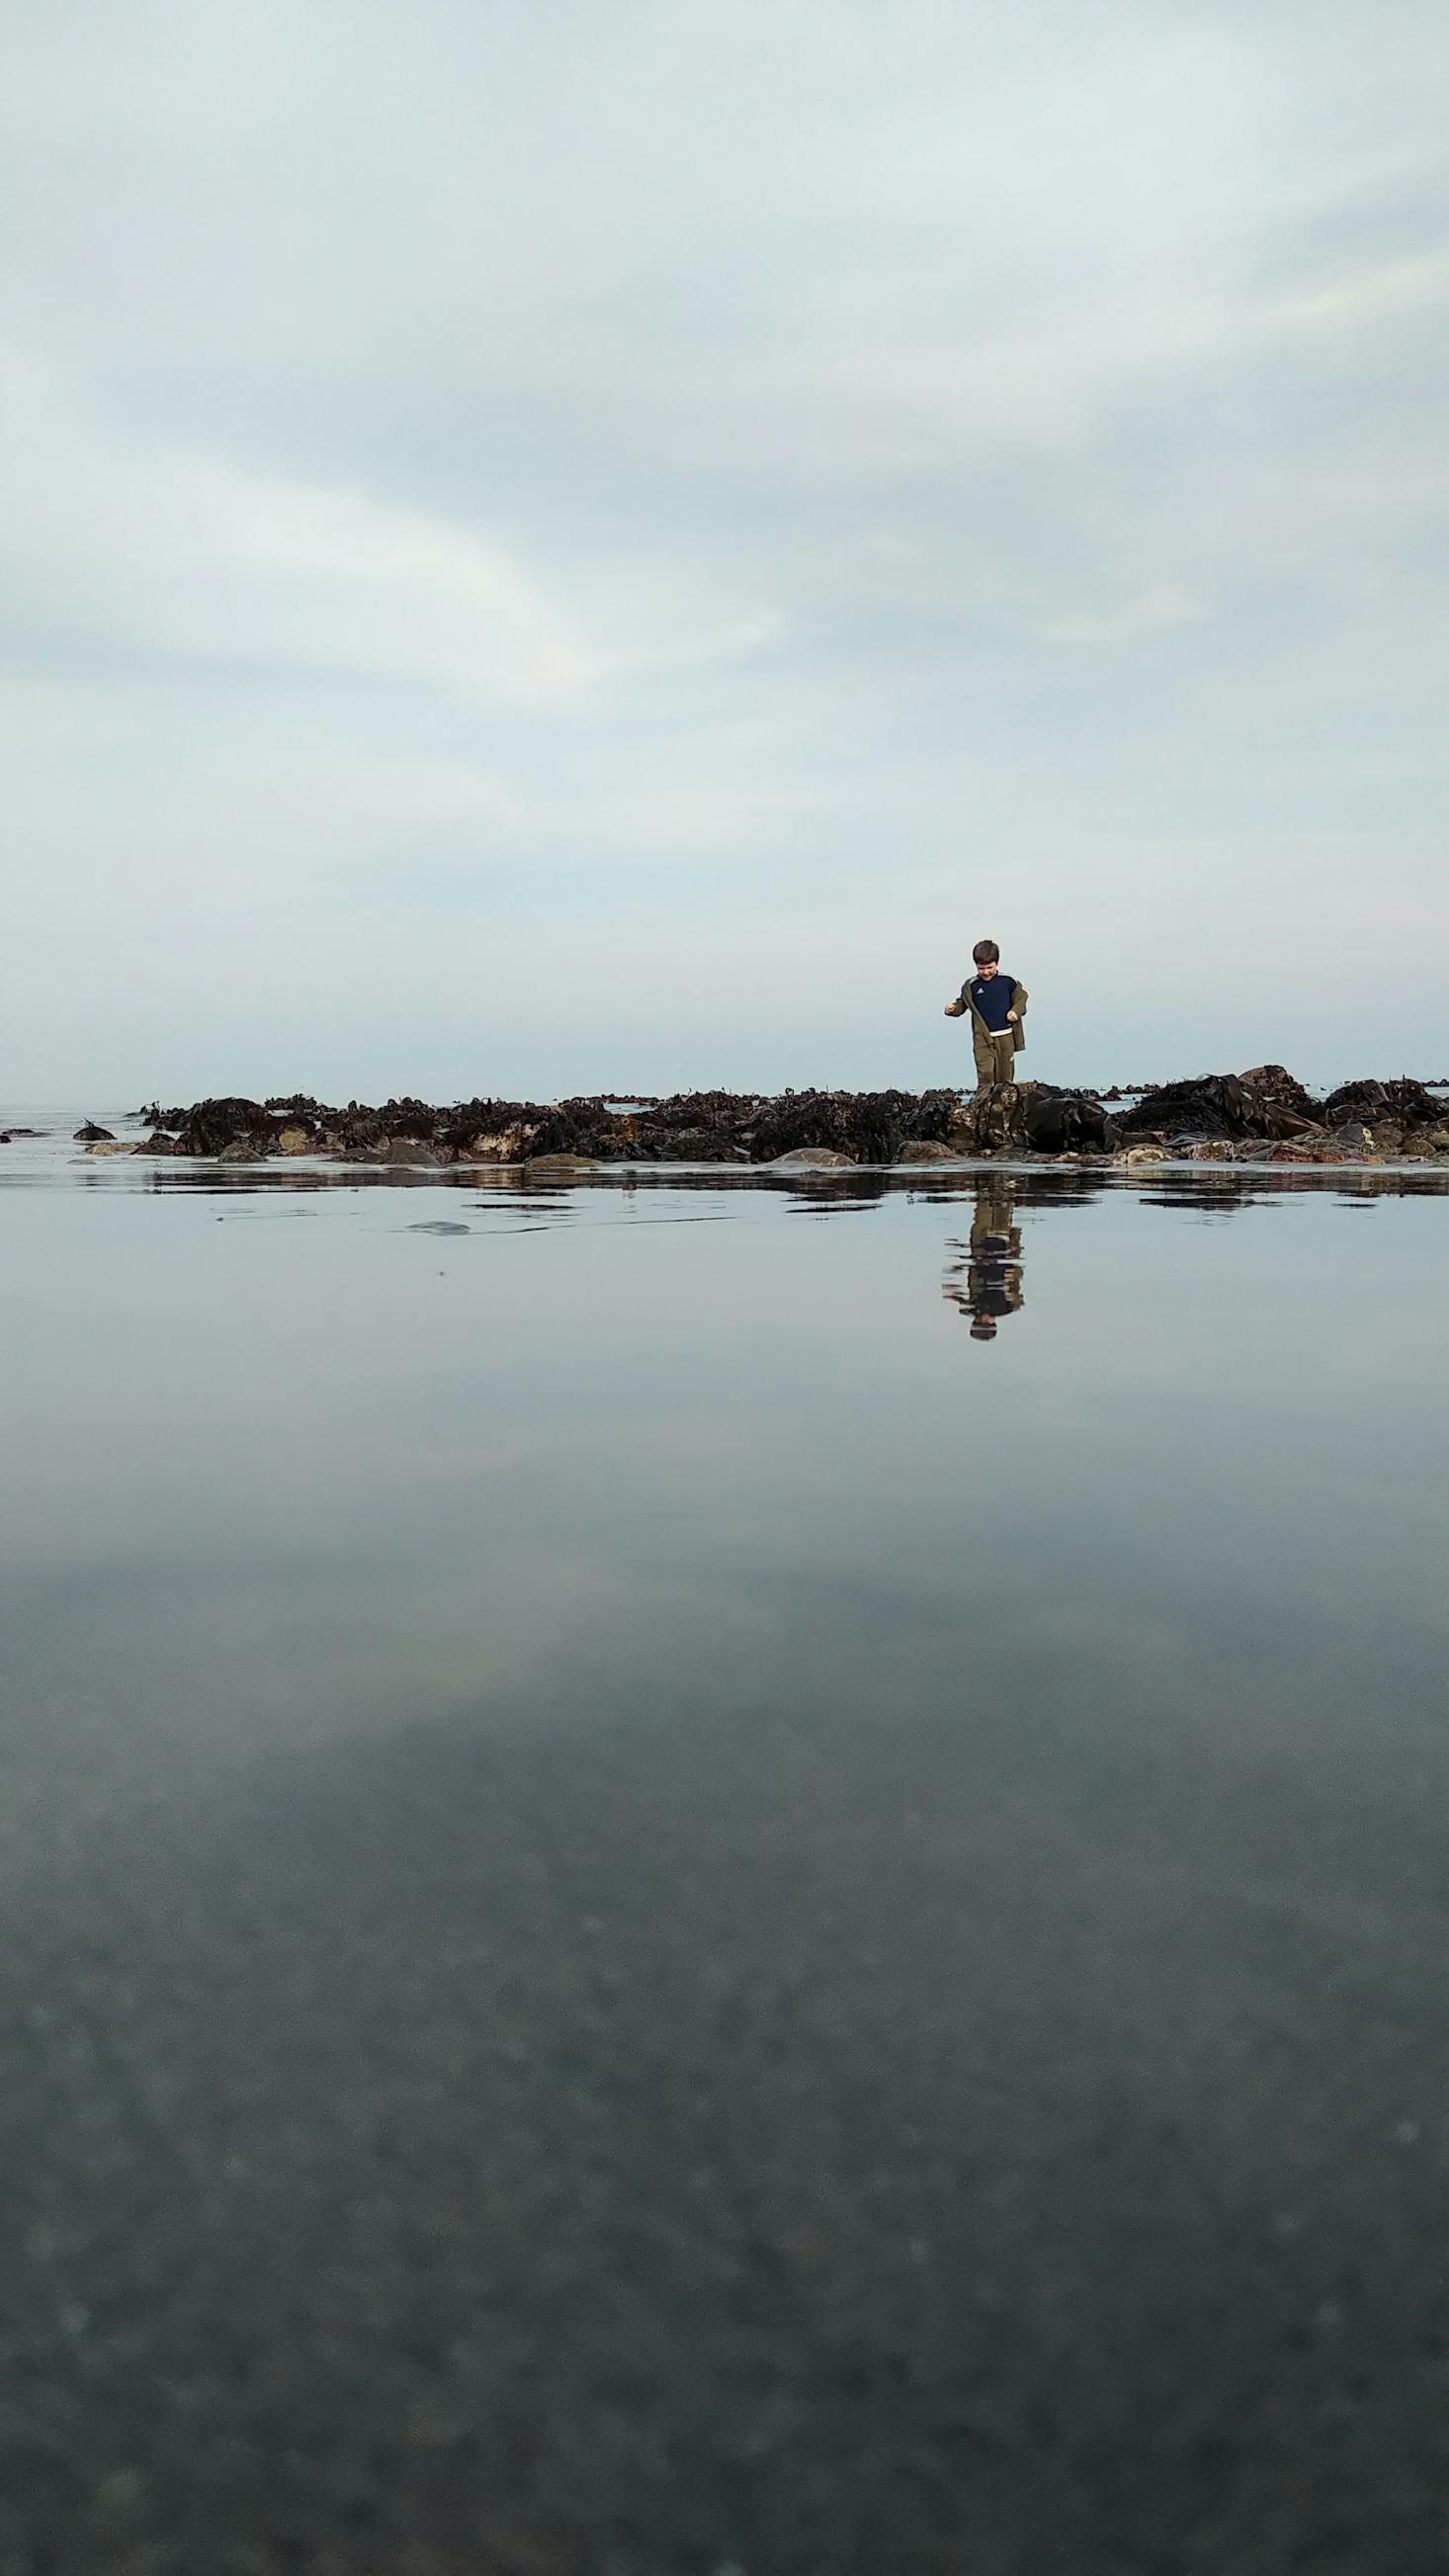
x=1408 y=1104
x=1065 y=1122
x=864 y=1126
x=1274 y=1082
x=990 y=1121
x=1215 y=1104
x=439 y=1225
x=157 y=1144
x=212 y=1125
x=90 y=1134
x=12 y=1135
x=813 y=1158
x=410 y=1150
x=1219 y=1113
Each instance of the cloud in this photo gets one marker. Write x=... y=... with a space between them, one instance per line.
x=708 y=502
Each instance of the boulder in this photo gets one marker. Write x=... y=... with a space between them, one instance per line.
x=410 y=1151
x=90 y=1134
x=924 y=1149
x=214 y=1124
x=497 y=1145
x=1214 y=1104
x=157 y=1144
x=557 y=1167
x=1059 y=1122
x=1406 y=1103
x=813 y=1158
x=990 y=1121
x=108 y=1145
x=240 y=1152
x=294 y=1140
x=1276 y=1083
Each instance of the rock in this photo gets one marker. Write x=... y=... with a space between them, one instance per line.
x=212 y=1125
x=240 y=1152
x=1406 y=1103
x=990 y=1121
x=813 y=1158
x=500 y=1145
x=1210 y=1116
x=108 y=1145
x=1058 y=1122
x=411 y=1151
x=557 y=1167
x=1275 y=1083
x=1225 y=1104
x=157 y=1144
x=1143 y=1154
x=90 y=1134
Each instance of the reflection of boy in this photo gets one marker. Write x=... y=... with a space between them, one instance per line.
x=997 y=1004
x=993 y=1285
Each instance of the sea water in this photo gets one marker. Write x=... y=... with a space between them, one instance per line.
x=720 y=1870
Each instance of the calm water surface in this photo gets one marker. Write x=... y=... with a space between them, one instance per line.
x=707 y=1873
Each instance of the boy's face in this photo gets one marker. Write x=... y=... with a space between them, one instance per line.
x=987 y=969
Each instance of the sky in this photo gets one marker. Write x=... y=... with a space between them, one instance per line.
x=560 y=545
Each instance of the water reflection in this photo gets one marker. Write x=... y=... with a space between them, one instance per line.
x=985 y=1279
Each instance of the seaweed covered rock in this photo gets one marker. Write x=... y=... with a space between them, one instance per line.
x=1405 y=1104
x=1231 y=1114
x=213 y=1125
x=1274 y=1082
x=865 y=1126
x=990 y=1121
x=1215 y=1104
x=1065 y=1122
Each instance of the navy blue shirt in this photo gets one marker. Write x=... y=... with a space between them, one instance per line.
x=993 y=996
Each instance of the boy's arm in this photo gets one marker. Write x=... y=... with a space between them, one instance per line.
x=955 y=1009
x=1018 y=1004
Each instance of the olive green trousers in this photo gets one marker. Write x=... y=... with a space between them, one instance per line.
x=995 y=1057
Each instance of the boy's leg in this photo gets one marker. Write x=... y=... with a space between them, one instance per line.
x=983 y=1048
x=1003 y=1054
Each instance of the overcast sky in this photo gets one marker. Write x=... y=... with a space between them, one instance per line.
x=562 y=543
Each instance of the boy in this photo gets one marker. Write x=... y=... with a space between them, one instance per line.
x=997 y=1004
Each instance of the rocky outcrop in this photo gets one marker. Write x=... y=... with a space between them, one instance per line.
x=1256 y=1115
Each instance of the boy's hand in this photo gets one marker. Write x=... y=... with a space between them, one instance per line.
x=1012 y=1015
x=954 y=1010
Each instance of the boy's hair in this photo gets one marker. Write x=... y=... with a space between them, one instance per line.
x=986 y=953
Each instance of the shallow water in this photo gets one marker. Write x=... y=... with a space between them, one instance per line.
x=709 y=1871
